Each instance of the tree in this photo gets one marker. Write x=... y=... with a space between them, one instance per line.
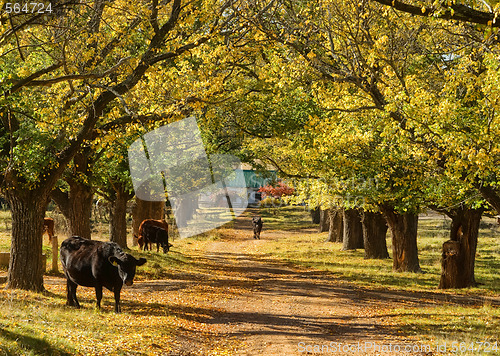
x=459 y=252
x=59 y=73
x=279 y=190
x=374 y=234
x=113 y=181
x=324 y=220
x=336 y=225
x=353 y=230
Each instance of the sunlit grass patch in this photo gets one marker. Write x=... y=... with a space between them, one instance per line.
x=286 y=218
x=31 y=324
x=450 y=325
x=311 y=251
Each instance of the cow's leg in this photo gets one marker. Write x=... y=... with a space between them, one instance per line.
x=118 y=309
x=98 y=296
x=71 y=294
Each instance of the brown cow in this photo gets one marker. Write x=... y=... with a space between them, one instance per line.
x=149 y=222
x=48 y=227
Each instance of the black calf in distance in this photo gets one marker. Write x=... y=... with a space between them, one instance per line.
x=257 y=227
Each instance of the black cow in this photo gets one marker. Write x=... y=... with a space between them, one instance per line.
x=257 y=226
x=144 y=225
x=96 y=264
x=154 y=234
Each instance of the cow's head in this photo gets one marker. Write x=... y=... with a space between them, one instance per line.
x=166 y=247
x=126 y=266
x=256 y=220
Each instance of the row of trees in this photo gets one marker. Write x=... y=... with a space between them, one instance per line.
x=337 y=90
x=404 y=106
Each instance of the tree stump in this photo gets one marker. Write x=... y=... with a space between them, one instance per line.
x=451 y=262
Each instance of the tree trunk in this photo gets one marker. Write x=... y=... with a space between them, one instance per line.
x=374 y=235
x=353 y=230
x=80 y=212
x=404 y=239
x=143 y=210
x=336 y=225
x=315 y=215
x=118 y=219
x=76 y=205
x=25 y=265
x=324 y=220
x=457 y=263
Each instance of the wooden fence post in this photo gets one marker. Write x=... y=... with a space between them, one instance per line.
x=55 y=254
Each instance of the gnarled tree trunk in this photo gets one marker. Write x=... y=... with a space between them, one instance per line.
x=76 y=205
x=459 y=253
x=336 y=225
x=404 y=239
x=353 y=231
x=25 y=265
x=80 y=210
x=374 y=235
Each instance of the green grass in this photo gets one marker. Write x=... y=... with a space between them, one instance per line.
x=286 y=218
x=450 y=323
x=40 y=324
x=311 y=250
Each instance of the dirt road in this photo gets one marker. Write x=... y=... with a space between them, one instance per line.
x=290 y=311
x=261 y=306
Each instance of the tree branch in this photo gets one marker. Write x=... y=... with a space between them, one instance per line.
x=286 y=174
x=24 y=82
x=457 y=12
